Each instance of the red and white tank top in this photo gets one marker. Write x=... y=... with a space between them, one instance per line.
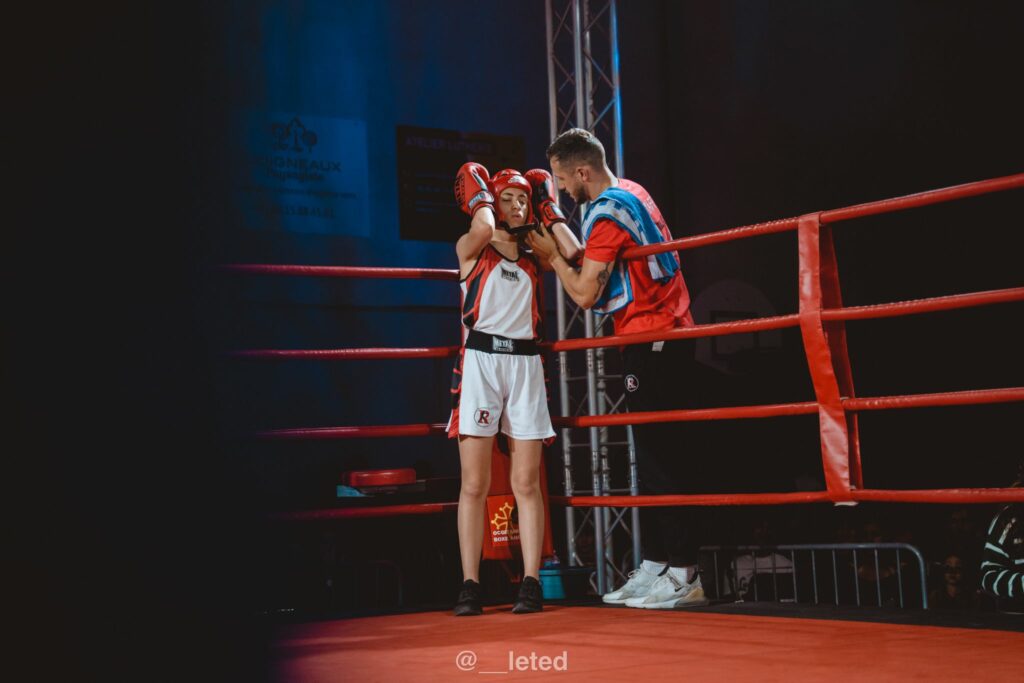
x=501 y=296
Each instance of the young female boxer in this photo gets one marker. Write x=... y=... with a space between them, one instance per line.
x=498 y=383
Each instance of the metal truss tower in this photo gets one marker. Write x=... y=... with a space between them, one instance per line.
x=583 y=92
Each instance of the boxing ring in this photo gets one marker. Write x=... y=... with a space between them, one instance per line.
x=700 y=643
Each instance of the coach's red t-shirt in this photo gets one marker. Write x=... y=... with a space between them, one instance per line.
x=655 y=306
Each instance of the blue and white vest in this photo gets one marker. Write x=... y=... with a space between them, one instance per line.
x=628 y=213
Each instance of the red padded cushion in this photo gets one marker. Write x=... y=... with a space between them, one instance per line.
x=398 y=477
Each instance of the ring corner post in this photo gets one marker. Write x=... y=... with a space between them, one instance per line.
x=835 y=437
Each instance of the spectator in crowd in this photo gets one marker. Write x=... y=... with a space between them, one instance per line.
x=952 y=591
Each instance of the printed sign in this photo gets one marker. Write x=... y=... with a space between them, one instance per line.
x=302 y=173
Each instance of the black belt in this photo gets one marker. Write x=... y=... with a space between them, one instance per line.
x=493 y=343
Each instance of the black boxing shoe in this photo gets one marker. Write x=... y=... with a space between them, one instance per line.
x=531 y=598
x=468 y=604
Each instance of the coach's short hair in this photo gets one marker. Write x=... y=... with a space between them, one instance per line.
x=577 y=146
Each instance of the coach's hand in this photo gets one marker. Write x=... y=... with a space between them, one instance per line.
x=543 y=243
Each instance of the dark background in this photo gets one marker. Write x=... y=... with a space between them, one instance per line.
x=133 y=495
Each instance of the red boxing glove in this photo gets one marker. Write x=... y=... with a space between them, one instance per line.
x=471 y=188
x=545 y=204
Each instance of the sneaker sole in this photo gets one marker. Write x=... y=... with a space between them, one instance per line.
x=616 y=601
x=677 y=604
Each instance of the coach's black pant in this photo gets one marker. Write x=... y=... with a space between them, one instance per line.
x=667 y=462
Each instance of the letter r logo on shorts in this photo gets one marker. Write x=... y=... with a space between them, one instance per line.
x=483 y=417
x=632 y=383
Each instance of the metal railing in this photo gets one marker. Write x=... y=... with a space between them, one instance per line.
x=739 y=576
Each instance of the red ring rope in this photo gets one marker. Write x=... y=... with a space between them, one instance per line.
x=769 y=228
x=942 y=303
x=695 y=331
x=353 y=432
x=573 y=501
x=948 y=398
x=945 y=194
x=938 y=303
x=371 y=511
x=937 y=496
x=1000 y=495
x=344 y=271
x=351 y=354
x=951 y=398
x=911 y=201
x=716 y=329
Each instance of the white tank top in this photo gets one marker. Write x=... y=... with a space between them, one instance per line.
x=501 y=296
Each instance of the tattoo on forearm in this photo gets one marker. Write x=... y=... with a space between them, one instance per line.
x=602 y=277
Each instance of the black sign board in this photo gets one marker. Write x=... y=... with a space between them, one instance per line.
x=427 y=161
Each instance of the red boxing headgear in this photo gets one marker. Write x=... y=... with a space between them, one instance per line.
x=506 y=178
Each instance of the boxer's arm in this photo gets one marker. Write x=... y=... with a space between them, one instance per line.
x=473 y=195
x=479 y=235
x=585 y=284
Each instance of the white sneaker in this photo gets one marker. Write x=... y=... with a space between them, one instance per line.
x=638 y=585
x=668 y=592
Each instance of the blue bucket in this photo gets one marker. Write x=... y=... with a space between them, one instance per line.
x=559 y=583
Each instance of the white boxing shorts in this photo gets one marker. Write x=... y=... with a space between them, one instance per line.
x=502 y=391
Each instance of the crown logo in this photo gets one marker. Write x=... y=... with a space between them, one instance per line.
x=501 y=517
